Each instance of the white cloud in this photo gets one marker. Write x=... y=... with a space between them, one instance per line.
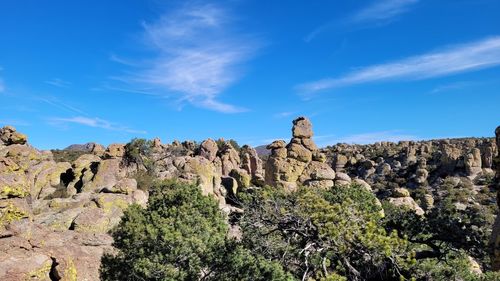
x=379 y=12
x=57 y=82
x=59 y=104
x=382 y=11
x=95 y=123
x=198 y=56
x=462 y=58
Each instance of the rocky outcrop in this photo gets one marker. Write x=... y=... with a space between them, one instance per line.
x=293 y=164
x=495 y=235
x=9 y=135
x=252 y=164
x=208 y=149
x=54 y=216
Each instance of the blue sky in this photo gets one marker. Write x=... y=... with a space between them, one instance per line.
x=362 y=71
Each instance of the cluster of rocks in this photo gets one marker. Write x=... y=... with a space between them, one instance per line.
x=416 y=165
x=217 y=167
x=299 y=162
x=54 y=216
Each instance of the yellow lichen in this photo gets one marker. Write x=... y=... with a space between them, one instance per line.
x=11 y=213
x=109 y=205
x=13 y=191
x=40 y=274
x=70 y=273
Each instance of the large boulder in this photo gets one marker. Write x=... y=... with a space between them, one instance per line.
x=208 y=149
x=115 y=150
x=408 y=203
x=9 y=136
x=302 y=128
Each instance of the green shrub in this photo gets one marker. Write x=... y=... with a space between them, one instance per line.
x=323 y=234
x=181 y=235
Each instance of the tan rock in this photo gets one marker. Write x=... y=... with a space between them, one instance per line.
x=208 y=149
x=322 y=184
x=407 y=202
x=309 y=144
x=9 y=136
x=299 y=152
x=317 y=171
x=242 y=177
x=363 y=184
x=115 y=150
x=276 y=144
x=302 y=128
x=400 y=192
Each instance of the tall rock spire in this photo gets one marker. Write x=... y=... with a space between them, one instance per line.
x=298 y=162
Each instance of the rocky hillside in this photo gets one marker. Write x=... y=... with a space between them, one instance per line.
x=56 y=210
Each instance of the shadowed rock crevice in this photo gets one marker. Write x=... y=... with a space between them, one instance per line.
x=53 y=274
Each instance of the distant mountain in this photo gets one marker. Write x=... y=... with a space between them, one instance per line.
x=86 y=147
x=262 y=150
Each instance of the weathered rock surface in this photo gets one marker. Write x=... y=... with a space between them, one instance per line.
x=53 y=218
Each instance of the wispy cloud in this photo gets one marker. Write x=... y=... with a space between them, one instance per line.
x=59 y=104
x=452 y=86
x=380 y=12
x=285 y=114
x=364 y=138
x=462 y=58
x=95 y=123
x=198 y=56
x=57 y=82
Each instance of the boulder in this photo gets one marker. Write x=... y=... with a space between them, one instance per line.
x=115 y=150
x=299 y=152
x=400 y=192
x=208 y=149
x=407 y=202
x=302 y=128
x=242 y=177
x=9 y=136
x=317 y=171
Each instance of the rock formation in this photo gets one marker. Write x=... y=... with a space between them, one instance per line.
x=299 y=162
x=54 y=216
x=495 y=235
